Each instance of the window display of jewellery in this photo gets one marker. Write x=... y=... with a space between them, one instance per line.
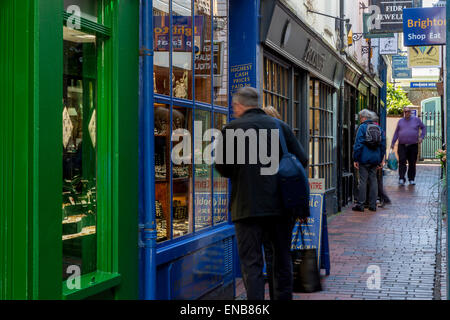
x=160 y=172
x=161 y=230
x=79 y=208
x=181 y=171
x=202 y=170
x=161 y=127
x=159 y=210
x=180 y=227
x=179 y=211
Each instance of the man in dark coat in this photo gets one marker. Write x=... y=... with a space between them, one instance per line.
x=367 y=160
x=256 y=203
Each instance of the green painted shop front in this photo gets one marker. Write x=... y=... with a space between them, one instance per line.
x=69 y=149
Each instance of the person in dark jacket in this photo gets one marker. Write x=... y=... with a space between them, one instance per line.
x=367 y=160
x=382 y=195
x=256 y=203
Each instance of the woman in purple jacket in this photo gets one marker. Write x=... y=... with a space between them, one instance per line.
x=407 y=134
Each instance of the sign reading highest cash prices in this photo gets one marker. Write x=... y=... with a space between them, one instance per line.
x=424 y=26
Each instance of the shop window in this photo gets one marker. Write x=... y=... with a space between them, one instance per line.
x=203 y=172
x=321 y=132
x=276 y=91
x=181 y=173
x=220 y=28
x=296 y=110
x=191 y=53
x=161 y=47
x=182 y=37
x=79 y=115
x=220 y=198
x=203 y=50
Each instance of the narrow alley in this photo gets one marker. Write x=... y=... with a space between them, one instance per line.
x=400 y=241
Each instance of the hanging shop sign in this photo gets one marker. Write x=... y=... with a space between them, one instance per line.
x=367 y=31
x=421 y=57
x=182 y=34
x=424 y=26
x=387 y=16
x=400 y=69
x=423 y=85
x=389 y=45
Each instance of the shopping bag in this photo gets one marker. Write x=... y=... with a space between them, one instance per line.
x=392 y=162
x=306 y=271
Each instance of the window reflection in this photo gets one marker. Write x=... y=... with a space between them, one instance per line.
x=220 y=199
x=203 y=171
x=161 y=44
x=162 y=170
x=79 y=115
x=203 y=51
x=182 y=174
x=220 y=52
x=182 y=39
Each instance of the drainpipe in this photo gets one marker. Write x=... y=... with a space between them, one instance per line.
x=341 y=107
x=148 y=229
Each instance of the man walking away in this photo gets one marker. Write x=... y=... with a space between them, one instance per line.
x=256 y=202
x=407 y=134
x=368 y=154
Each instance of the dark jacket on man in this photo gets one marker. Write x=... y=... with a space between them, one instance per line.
x=254 y=194
x=362 y=153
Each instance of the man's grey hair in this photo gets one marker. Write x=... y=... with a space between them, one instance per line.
x=364 y=113
x=374 y=116
x=247 y=96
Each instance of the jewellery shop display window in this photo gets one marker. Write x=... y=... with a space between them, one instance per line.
x=191 y=96
x=79 y=115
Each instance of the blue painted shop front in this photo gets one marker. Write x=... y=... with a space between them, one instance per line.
x=187 y=241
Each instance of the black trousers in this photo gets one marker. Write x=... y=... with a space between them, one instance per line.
x=275 y=232
x=407 y=153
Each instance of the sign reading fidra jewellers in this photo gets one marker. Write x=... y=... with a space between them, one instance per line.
x=387 y=16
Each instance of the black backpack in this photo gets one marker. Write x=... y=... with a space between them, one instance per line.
x=373 y=136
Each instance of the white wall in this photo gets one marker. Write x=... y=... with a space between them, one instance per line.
x=325 y=26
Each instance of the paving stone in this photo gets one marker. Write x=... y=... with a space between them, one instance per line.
x=400 y=239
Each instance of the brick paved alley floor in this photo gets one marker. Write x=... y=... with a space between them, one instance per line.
x=401 y=239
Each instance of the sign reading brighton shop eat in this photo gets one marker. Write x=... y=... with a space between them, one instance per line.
x=424 y=26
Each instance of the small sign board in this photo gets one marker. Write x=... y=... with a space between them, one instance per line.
x=424 y=57
x=423 y=85
x=400 y=69
x=389 y=45
x=424 y=26
x=317 y=186
x=313 y=234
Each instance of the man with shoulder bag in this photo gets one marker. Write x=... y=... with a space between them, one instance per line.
x=257 y=204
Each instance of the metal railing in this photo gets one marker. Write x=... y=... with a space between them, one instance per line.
x=433 y=139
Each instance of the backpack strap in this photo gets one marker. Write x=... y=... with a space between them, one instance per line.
x=282 y=139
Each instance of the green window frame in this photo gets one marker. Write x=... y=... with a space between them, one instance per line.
x=33 y=269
